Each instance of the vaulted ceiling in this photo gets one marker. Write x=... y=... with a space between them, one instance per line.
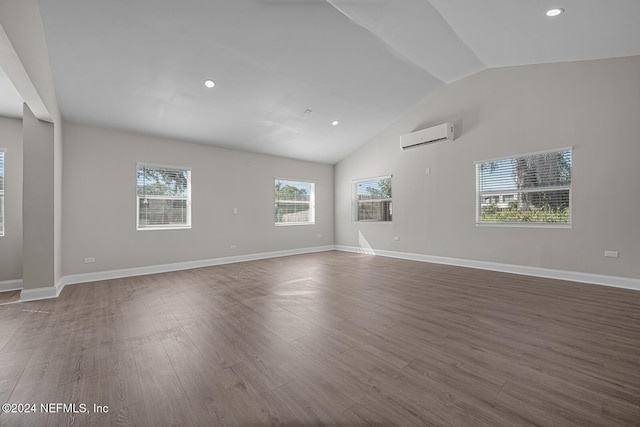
x=286 y=69
x=10 y=99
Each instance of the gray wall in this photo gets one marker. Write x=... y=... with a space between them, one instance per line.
x=21 y=21
x=11 y=242
x=99 y=202
x=593 y=106
x=38 y=256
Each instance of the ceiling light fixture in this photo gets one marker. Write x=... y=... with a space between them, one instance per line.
x=209 y=83
x=335 y=122
x=554 y=12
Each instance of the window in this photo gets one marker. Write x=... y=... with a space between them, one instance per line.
x=1 y=192
x=295 y=202
x=531 y=189
x=372 y=199
x=163 y=197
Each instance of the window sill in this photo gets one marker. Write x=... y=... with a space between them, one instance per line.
x=183 y=227
x=523 y=225
x=287 y=224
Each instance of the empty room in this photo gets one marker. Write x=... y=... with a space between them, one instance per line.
x=319 y=212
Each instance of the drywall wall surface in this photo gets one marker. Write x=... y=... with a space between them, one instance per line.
x=11 y=242
x=37 y=203
x=22 y=23
x=592 y=106
x=99 y=182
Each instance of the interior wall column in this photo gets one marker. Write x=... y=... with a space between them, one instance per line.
x=38 y=205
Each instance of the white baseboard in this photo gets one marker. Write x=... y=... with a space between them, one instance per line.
x=164 y=268
x=573 y=276
x=10 y=285
x=54 y=291
x=46 y=292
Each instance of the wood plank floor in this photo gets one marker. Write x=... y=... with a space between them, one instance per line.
x=9 y=297
x=326 y=339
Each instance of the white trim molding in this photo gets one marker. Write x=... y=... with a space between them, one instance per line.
x=164 y=268
x=573 y=276
x=11 y=285
x=46 y=292
x=54 y=291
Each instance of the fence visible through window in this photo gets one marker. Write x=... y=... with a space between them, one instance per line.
x=163 y=197
x=372 y=200
x=294 y=202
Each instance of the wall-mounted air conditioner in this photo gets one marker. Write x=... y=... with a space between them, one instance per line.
x=430 y=135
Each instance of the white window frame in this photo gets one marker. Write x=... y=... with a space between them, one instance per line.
x=355 y=203
x=187 y=225
x=3 y=158
x=312 y=203
x=480 y=194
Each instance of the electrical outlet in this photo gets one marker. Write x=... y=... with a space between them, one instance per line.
x=319 y=235
x=232 y=247
x=89 y=260
x=611 y=254
x=396 y=238
x=235 y=211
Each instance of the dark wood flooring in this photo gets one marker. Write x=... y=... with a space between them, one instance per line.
x=326 y=339
x=9 y=297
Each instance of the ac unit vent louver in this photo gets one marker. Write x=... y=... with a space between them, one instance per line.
x=430 y=135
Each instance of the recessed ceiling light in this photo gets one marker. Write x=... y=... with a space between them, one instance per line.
x=554 y=12
x=209 y=83
x=335 y=122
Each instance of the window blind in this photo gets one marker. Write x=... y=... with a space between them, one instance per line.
x=531 y=188
x=164 y=197
x=294 y=202
x=372 y=199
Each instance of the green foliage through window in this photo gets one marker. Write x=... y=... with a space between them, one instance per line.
x=532 y=188
x=294 y=202
x=164 y=197
x=373 y=201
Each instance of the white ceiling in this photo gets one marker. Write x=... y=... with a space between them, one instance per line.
x=139 y=65
x=10 y=99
